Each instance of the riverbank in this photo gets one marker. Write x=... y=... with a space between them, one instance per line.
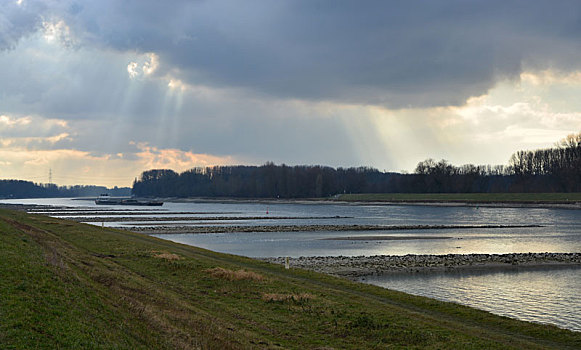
x=361 y=266
x=491 y=200
x=71 y=285
x=478 y=200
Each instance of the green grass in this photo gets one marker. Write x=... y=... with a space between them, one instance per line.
x=69 y=285
x=533 y=198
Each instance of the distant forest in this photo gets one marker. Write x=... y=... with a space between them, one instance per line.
x=26 y=189
x=556 y=169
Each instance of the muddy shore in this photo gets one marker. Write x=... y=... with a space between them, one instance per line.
x=361 y=266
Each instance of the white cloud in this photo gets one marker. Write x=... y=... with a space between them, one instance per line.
x=147 y=65
x=550 y=77
x=7 y=121
x=58 y=32
x=178 y=160
x=132 y=69
x=151 y=65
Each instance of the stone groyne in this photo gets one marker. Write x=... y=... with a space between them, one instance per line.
x=154 y=228
x=360 y=266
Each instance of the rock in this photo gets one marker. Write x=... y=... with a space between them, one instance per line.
x=384 y=264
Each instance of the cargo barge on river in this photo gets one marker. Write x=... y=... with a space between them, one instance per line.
x=105 y=199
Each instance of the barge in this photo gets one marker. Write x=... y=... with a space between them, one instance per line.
x=105 y=199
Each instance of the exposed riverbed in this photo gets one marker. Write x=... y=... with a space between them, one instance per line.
x=355 y=267
x=156 y=228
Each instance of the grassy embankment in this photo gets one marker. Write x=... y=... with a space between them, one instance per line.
x=69 y=285
x=531 y=198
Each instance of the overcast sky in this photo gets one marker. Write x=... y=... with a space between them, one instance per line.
x=100 y=90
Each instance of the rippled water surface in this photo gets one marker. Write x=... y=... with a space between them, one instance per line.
x=543 y=295
x=560 y=231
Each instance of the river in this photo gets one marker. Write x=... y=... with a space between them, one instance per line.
x=540 y=295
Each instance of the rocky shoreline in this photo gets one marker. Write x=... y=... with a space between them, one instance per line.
x=167 y=229
x=361 y=266
x=200 y=218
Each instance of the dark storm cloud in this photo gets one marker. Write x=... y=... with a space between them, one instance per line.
x=395 y=53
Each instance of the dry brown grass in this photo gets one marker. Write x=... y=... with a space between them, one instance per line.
x=166 y=256
x=295 y=298
x=235 y=275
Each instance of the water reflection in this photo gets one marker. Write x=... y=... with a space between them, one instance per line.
x=540 y=295
x=561 y=231
x=296 y=244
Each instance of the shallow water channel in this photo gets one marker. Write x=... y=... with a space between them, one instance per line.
x=540 y=295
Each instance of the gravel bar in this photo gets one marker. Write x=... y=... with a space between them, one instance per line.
x=161 y=229
x=202 y=218
x=360 y=266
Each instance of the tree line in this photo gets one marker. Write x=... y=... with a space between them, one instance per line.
x=267 y=181
x=27 y=189
x=556 y=169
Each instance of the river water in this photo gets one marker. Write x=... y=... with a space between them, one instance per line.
x=541 y=295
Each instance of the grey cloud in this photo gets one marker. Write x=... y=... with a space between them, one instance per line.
x=72 y=84
x=17 y=21
x=394 y=53
x=232 y=128
x=381 y=52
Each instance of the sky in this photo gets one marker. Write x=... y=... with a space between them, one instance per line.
x=98 y=91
